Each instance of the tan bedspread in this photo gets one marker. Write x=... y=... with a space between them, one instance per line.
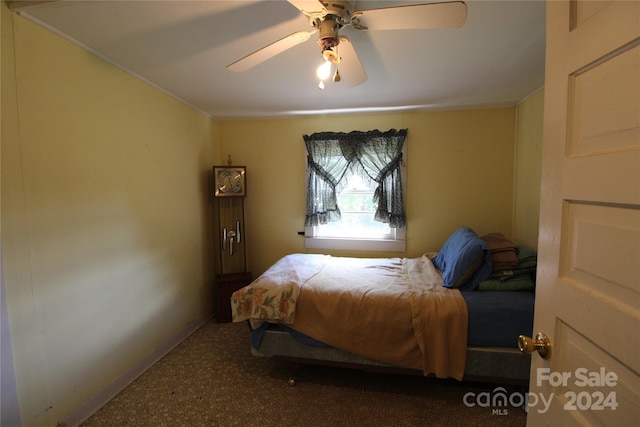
x=389 y=309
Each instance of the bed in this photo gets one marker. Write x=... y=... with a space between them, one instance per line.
x=448 y=314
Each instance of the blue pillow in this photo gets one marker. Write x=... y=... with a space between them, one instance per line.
x=464 y=260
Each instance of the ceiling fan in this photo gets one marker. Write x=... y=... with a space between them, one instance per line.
x=327 y=17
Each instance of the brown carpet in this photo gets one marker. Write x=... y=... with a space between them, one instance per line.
x=212 y=379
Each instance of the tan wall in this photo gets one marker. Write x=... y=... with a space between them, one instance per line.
x=528 y=171
x=459 y=166
x=105 y=218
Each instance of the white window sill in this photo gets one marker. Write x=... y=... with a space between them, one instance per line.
x=379 y=245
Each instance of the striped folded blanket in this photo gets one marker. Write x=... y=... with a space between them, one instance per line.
x=504 y=254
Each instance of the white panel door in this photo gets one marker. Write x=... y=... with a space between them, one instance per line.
x=588 y=287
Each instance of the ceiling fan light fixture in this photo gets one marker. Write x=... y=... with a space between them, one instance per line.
x=331 y=56
x=324 y=70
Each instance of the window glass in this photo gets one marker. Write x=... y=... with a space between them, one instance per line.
x=357 y=210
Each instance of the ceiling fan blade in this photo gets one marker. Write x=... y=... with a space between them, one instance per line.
x=269 y=51
x=414 y=17
x=350 y=66
x=311 y=8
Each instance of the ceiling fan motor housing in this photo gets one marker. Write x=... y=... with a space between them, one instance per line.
x=338 y=15
x=328 y=36
x=340 y=10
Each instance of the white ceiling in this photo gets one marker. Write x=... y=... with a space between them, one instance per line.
x=184 y=46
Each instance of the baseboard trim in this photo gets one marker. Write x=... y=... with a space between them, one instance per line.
x=91 y=406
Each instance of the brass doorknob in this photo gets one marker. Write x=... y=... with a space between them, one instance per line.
x=541 y=343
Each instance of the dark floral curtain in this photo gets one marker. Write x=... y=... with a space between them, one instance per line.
x=375 y=155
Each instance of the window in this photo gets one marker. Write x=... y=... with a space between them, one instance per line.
x=357 y=211
x=355 y=190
